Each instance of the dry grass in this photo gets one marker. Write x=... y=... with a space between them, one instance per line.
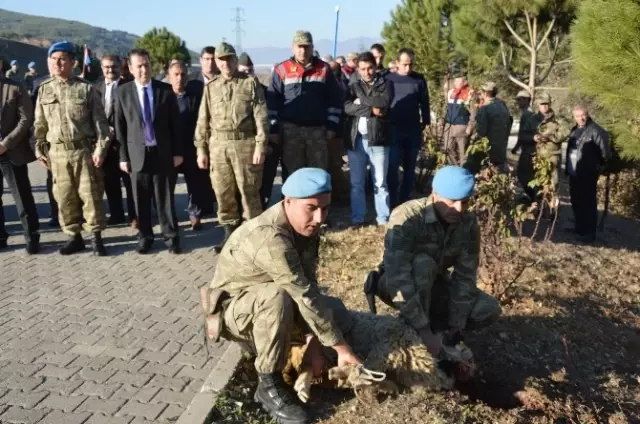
x=568 y=342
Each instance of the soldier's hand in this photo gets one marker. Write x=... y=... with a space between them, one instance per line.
x=97 y=161
x=467 y=132
x=43 y=161
x=177 y=161
x=376 y=111
x=258 y=158
x=331 y=135
x=3 y=149
x=432 y=341
x=346 y=355
x=203 y=162
x=124 y=167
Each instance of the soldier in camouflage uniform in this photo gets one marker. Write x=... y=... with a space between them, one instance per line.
x=494 y=122
x=72 y=138
x=264 y=293
x=529 y=122
x=425 y=237
x=549 y=140
x=231 y=135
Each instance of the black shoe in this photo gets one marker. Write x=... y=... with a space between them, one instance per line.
x=174 y=246
x=144 y=245
x=277 y=399
x=73 y=245
x=97 y=245
x=116 y=220
x=228 y=230
x=3 y=244
x=33 y=245
x=54 y=223
x=370 y=290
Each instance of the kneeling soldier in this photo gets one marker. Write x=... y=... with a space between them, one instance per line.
x=264 y=293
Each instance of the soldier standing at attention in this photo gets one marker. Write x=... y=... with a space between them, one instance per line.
x=528 y=127
x=494 y=122
x=549 y=141
x=72 y=137
x=305 y=105
x=264 y=292
x=231 y=135
x=426 y=237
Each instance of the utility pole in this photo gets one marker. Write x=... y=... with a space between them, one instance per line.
x=238 y=29
x=335 y=37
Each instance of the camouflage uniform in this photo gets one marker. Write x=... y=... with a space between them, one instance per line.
x=494 y=122
x=70 y=126
x=549 y=145
x=232 y=125
x=269 y=273
x=529 y=122
x=419 y=250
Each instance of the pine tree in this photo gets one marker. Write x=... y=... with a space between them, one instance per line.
x=606 y=57
x=423 y=26
x=163 y=45
x=523 y=37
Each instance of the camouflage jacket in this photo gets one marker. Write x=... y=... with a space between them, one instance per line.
x=494 y=122
x=266 y=250
x=550 y=140
x=69 y=112
x=232 y=109
x=414 y=229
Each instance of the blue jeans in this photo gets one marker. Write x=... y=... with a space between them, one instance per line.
x=404 y=151
x=378 y=158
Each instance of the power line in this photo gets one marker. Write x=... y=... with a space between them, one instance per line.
x=238 y=28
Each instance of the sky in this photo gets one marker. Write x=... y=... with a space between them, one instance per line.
x=205 y=22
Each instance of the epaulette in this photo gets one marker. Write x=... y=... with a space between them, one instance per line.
x=215 y=77
x=47 y=81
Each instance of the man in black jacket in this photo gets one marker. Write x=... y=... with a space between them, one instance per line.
x=366 y=106
x=588 y=151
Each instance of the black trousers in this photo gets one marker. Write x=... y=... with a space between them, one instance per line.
x=112 y=188
x=155 y=182
x=201 y=196
x=18 y=180
x=583 y=189
x=269 y=174
x=52 y=200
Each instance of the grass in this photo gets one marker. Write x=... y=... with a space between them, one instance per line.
x=568 y=342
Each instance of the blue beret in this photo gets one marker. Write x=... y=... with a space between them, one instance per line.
x=454 y=183
x=62 y=46
x=307 y=182
x=31 y=65
x=14 y=62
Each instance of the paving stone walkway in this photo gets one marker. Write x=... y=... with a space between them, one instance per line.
x=101 y=340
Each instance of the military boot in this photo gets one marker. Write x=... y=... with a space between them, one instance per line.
x=277 y=399
x=228 y=230
x=97 y=245
x=73 y=245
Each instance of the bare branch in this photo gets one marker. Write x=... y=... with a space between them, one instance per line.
x=546 y=34
x=507 y=67
x=517 y=37
x=517 y=81
x=553 y=88
x=552 y=60
x=526 y=15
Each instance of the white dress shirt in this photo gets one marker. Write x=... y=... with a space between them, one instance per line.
x=139 y=89
x=108 y=93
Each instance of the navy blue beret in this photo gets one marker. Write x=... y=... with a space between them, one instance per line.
x=454 y=183
x=307 y=182
x=62 y=46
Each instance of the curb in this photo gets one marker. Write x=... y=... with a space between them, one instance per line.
x=200 y=409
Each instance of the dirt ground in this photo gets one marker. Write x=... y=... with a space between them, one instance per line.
x=566 y=349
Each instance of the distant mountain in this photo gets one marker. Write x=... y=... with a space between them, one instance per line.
x=271 y=55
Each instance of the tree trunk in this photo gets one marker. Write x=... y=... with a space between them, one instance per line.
x=534 y=59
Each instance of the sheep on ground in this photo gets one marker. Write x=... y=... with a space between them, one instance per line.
x=386 y=344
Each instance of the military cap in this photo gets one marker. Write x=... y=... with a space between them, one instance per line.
x=307 y=182
x=14 y=62
x=544 y=99
x=488 y=86
x=302 y=38
x=327 y=58
x=62 y=46
x=352 y=56
x=453 y=183
x=31 y=65
x=244 y=60
x=225 y=49
x=524 y=94
x=459 y=74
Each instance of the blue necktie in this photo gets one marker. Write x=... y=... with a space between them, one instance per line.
x=149 y=134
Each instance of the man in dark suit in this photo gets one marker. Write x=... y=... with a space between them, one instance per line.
x=147 y=126
x=208 y=68
x=112 y=174
x=189 y=96
x=16 y=118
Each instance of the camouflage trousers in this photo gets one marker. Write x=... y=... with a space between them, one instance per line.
x=78 y=187
x=433 y=289
x=456 y=142
x=232 y=171
x=304 y=147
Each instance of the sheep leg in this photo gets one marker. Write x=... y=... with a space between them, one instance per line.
x=303 y=385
